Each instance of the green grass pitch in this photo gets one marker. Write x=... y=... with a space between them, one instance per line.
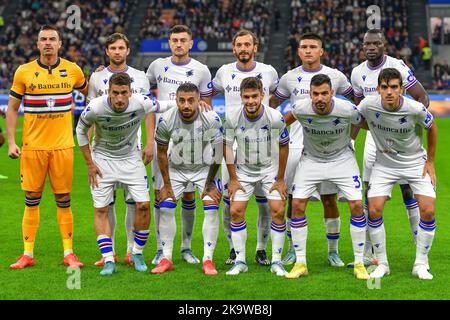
x=48 y=278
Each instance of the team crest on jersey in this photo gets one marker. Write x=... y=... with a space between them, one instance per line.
x=233 y=76
x=133 y=115
x=299 y=79
x=309 y=120
x=166 y=68
x=63 y=73
x=108 y=119
x=36 y=74
x=336 y=121
x=403 y=120
x=189 y=73
x=377 y=115
x=389 y=143
x=50 y=102
x=105 y=81
x=364 y=78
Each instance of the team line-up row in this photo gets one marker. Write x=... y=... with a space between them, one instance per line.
x=314 y=159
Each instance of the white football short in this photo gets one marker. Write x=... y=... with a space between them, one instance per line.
x=129 y=173
x=384 y=178
x=183 y=179
x=157 y=179
x=262 y=183
x=343 y=173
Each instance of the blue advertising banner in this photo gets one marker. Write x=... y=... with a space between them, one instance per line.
x=439 y=104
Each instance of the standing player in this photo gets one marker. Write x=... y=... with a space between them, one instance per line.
x=117 y=49
x=167 y=74
x=260 y=134
x=327 y=156
x=295 y=85
x=197 y=137
x=364 y=80
x=45 y=85
x=396 y=123
x=117 y=118
x=227 y=81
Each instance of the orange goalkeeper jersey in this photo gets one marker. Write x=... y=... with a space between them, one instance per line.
x=47 y=100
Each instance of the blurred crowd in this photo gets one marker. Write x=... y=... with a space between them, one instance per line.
x=441 y=74
x=85 y=45
x=342 y=25
x=208 y=19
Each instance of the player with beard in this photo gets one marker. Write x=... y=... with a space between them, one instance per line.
x=295 y=85
x=168 y=74
x=227 y=81
x=364 y=80
x=117 y=49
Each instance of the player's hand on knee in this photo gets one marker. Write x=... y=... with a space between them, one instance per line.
x=429 y=168
x=13 y=151
x=93 y=171
x=166 y=192
x=212 y=191
x=280 y=186
x=233 y=187
x=147 y=153
x=204 y=106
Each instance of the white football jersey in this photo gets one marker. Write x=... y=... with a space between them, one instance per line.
x=257 y=139
x=295 y=85
x=115 y=132
x=365 y=78
x=397 y=134
x=327 y=137
x=191 y=141
x=229 y=77
x=99 y=82
x=168 y=76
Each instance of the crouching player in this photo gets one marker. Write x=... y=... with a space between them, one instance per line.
x=261 y=134
x=115 y=158
x=327 y=156
x=197 y=139
x=396 y=124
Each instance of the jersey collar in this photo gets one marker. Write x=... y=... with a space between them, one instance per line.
x=49 y=68
x=312 y=70
x=246 y=70
x=180 y=63
x=118 y=71
x=379 y=65
x=256 y=119
x=331 y=108
x=399 y=106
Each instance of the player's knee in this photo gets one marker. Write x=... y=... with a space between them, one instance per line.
x=298 y=209
x=407 y=192
x=143 y=206
x=30 y=194
x=102 y=213
x=427 y=211
x=356 y=206
x=188 y=196
x=62 y=197
x=375 y=212
x=32 y=199
x=237 y=213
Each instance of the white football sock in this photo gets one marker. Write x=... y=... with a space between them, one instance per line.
x=210 y=231
x=226 y=220
x=129 y=224
x=333 y=227
x=277 y=235
x=425 y=236
x=378 y=238
x=187 y=222
x=264 y=220
x=412 y=209
x=299 y=231
x=167 y=227
x=239 y=237
x=358 y=235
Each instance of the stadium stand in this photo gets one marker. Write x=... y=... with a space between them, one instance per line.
x=213 y=19
x=342 y=25
x=85 y=46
